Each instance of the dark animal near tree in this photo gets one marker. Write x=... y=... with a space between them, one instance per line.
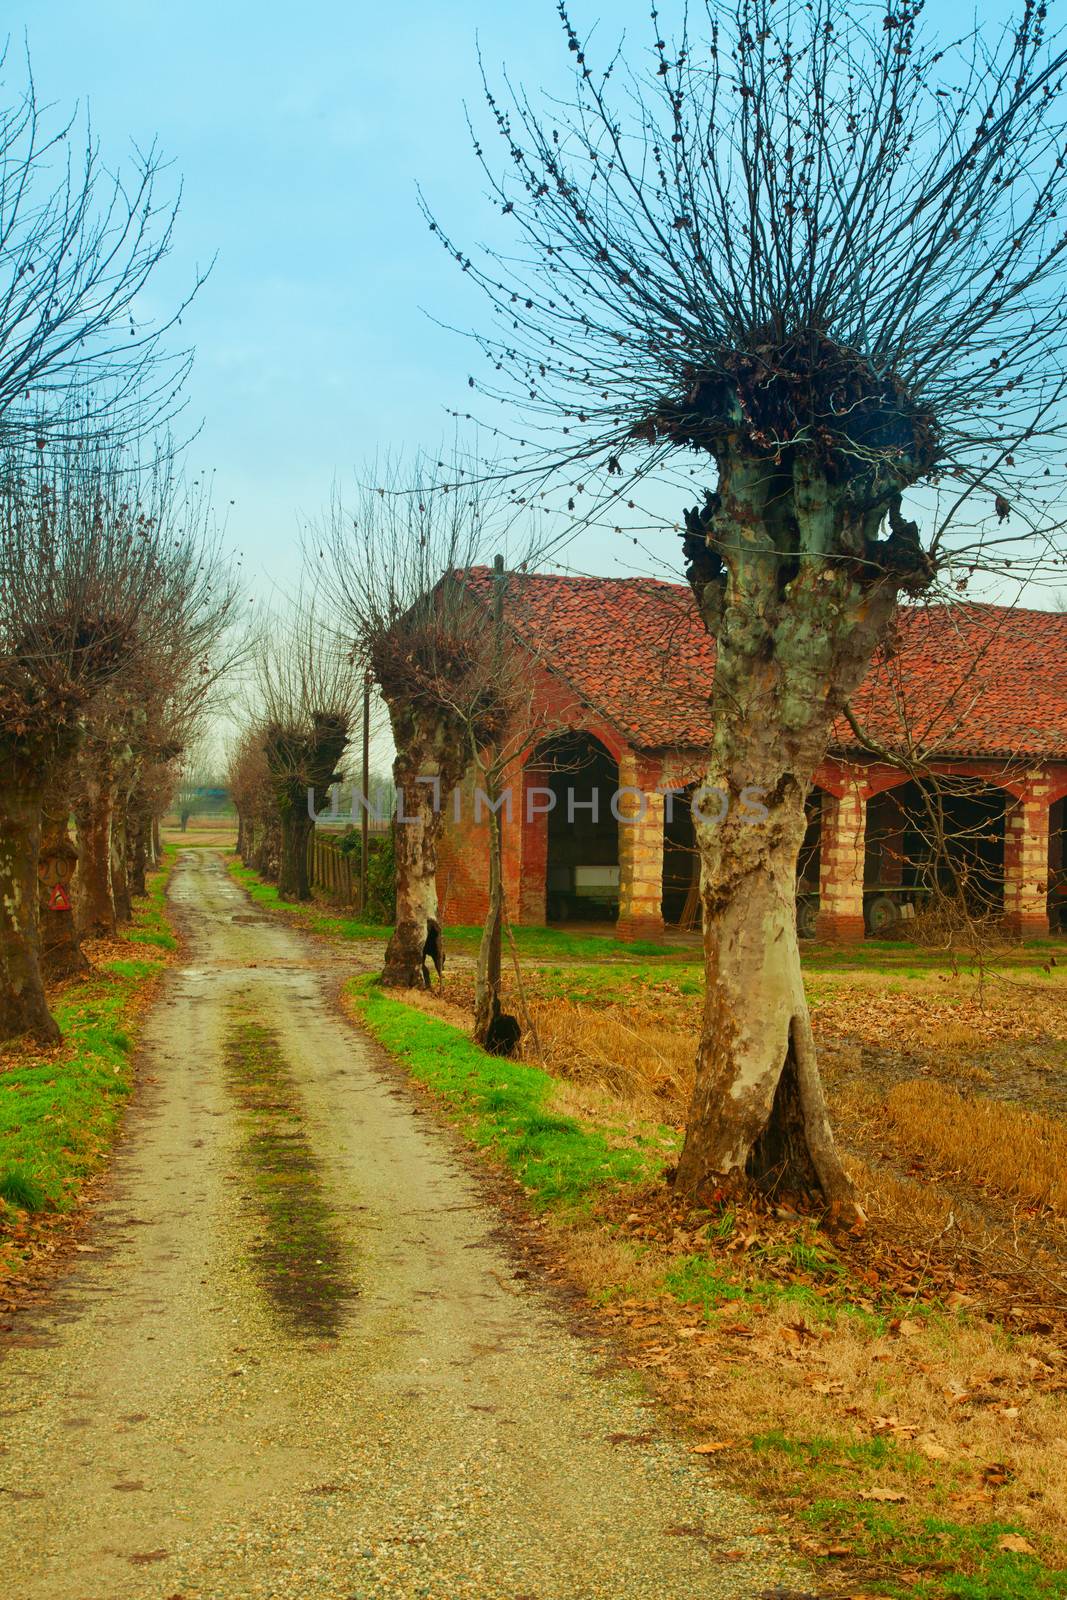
x=433 y=949
x=502 y=1037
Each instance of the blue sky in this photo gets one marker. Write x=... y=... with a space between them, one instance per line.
x=299 y=135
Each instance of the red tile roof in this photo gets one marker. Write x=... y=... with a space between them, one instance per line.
x=966 y=680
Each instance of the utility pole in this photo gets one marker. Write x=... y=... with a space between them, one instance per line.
x=364 y=824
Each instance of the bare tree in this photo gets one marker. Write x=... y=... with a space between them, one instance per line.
x=77 y=566
x=425 y=643
x=79 y=243
x=492 y=705
x=185 y=645
x=310 y=693
x=821 y=255
x=258 y=822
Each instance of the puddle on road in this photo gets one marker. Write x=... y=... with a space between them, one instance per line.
x=301 y=1257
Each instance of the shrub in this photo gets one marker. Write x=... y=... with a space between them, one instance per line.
x=381 y=874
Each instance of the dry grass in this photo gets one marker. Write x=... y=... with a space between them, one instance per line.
x=616 y=1050
x=1020 y=1153
x=202 y=833
x=928 y=1412
x=923 y=1379
x=938 y=1012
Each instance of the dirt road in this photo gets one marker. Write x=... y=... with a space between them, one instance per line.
x=293 y=1359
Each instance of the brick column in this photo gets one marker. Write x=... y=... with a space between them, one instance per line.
x=640 y=852
x=534 y=836
x=462 y=859
x=841 y=860
x=1026 y=860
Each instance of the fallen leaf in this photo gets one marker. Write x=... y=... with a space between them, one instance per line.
x=710 y=1449
x=1016 y=1544
x=890 y=1496
x=928 y=1446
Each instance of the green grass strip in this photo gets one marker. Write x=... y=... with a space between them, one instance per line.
x=300 y=1256
x=59 y=1111
x=503 y=1106
x=531 y=941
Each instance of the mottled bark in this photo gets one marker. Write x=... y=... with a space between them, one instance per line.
x=799 y=593
x=23 y=1008
x=415 y=834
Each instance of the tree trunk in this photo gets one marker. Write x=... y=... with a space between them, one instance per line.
x=23 y=1009
x=240 y=845
x=137 y=849
x=92 y=814
x=296 y=828
x=415 y=835
x=268 y=849
x=60 y=947
x=799 y=599
x=120 y=887
x=758 y=1107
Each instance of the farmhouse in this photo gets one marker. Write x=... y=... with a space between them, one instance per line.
x=599 y=823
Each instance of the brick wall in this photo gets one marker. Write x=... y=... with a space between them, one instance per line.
x=463 y=853
x=1026 y=859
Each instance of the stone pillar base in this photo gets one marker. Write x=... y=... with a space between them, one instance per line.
x=1026 y=925
x=639 y=928
x=835 y=927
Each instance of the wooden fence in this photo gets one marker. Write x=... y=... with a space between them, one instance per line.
x=332 y=871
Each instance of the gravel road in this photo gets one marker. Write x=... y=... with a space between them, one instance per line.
x=213 y=1404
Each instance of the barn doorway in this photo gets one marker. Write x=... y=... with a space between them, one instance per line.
x=582 y=863
x=938 y=836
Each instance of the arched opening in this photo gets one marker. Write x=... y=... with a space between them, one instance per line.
x=1057 y=866
x=808 y=866
x=582 y=833
x=681 y=862
x=941 y=836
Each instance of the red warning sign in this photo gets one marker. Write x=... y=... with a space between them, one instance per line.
x=59 y=899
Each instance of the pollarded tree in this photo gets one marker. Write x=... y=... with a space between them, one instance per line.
x=76 y=570
x=258 y=823
x=820 y=254
x=397 y=570
x=309 y=693
x=185 y=643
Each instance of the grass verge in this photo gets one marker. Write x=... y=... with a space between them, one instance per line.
x=319 y=917
x=59 y=1108
x=507 y=1107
